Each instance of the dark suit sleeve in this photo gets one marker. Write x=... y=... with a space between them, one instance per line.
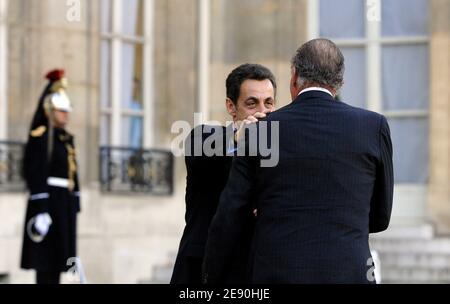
x=381 y=203
x=194 y=138
x=189 y=161
x=229 y=221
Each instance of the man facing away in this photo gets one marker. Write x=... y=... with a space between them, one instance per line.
x=332 y=186
x=251 y=91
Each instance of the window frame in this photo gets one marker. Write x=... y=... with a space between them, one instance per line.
x=116 y=39
x=410 y=197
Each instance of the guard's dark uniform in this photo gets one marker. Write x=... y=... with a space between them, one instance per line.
x=62 y=203
x=50 y=171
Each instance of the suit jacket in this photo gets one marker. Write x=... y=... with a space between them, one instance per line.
x=332 y=186
x=206 y=177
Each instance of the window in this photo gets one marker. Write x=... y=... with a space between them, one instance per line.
x=126 y=64
x=3 y=70
x=387 y=70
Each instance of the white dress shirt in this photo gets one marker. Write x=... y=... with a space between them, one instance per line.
x=315 y=89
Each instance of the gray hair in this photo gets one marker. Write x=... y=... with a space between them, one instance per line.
x=319 y=62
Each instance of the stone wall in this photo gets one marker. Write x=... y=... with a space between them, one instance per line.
x=120 y=238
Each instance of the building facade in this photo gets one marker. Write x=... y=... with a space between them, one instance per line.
x=135 y=67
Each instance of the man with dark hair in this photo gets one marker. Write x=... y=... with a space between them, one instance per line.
x=245 y=78
x=332 y=186
x=251 y=91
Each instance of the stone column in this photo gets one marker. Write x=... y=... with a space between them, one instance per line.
x=439 y=184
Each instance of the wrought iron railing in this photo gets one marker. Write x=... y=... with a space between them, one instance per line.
x=11 y=154
x=124 y=170
x=136 y=171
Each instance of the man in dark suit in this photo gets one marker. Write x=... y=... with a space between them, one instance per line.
x=331 y=187
x=251 y=91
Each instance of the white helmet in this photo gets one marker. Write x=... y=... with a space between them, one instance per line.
x=59 y=101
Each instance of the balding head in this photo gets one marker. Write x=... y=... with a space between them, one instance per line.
x=318 y=62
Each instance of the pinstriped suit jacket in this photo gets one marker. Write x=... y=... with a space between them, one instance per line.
x=333 y=185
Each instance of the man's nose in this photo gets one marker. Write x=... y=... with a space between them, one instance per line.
x=262 y=108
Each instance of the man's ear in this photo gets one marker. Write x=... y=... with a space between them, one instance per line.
x=294 y=78
x=293 y=84
x=231 y=107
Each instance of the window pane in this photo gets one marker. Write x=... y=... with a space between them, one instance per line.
x=410 y=144
x=132 y=17
x=132 y=76
x=105 y=90
x=106 y=16
x=354 y=90
x=105 y=130
x=405 y=78
x=404 y=17
x=342 y=19
x=132 y=129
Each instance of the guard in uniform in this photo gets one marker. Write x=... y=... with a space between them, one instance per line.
x=50 y=171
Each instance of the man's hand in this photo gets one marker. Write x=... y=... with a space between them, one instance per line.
x=249 y=120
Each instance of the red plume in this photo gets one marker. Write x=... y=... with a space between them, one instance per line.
x=55 y=75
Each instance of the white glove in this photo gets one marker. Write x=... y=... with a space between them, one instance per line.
x=43 y=222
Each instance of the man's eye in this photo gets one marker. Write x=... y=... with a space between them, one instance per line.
x=251 y=104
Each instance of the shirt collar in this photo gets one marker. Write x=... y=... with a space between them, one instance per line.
x=315 y=89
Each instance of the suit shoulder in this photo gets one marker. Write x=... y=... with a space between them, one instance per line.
x=38 y=132
x=205 y=131
x=370 y=120
x=364 y=112
x=278 y=113
x=377 y=118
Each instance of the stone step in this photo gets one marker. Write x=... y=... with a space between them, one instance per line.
x=172 y=256
x=394 y=282
x=432 y=261
x=438 y=246
x=420 y=231
x=418 y=275
x=162 y=274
